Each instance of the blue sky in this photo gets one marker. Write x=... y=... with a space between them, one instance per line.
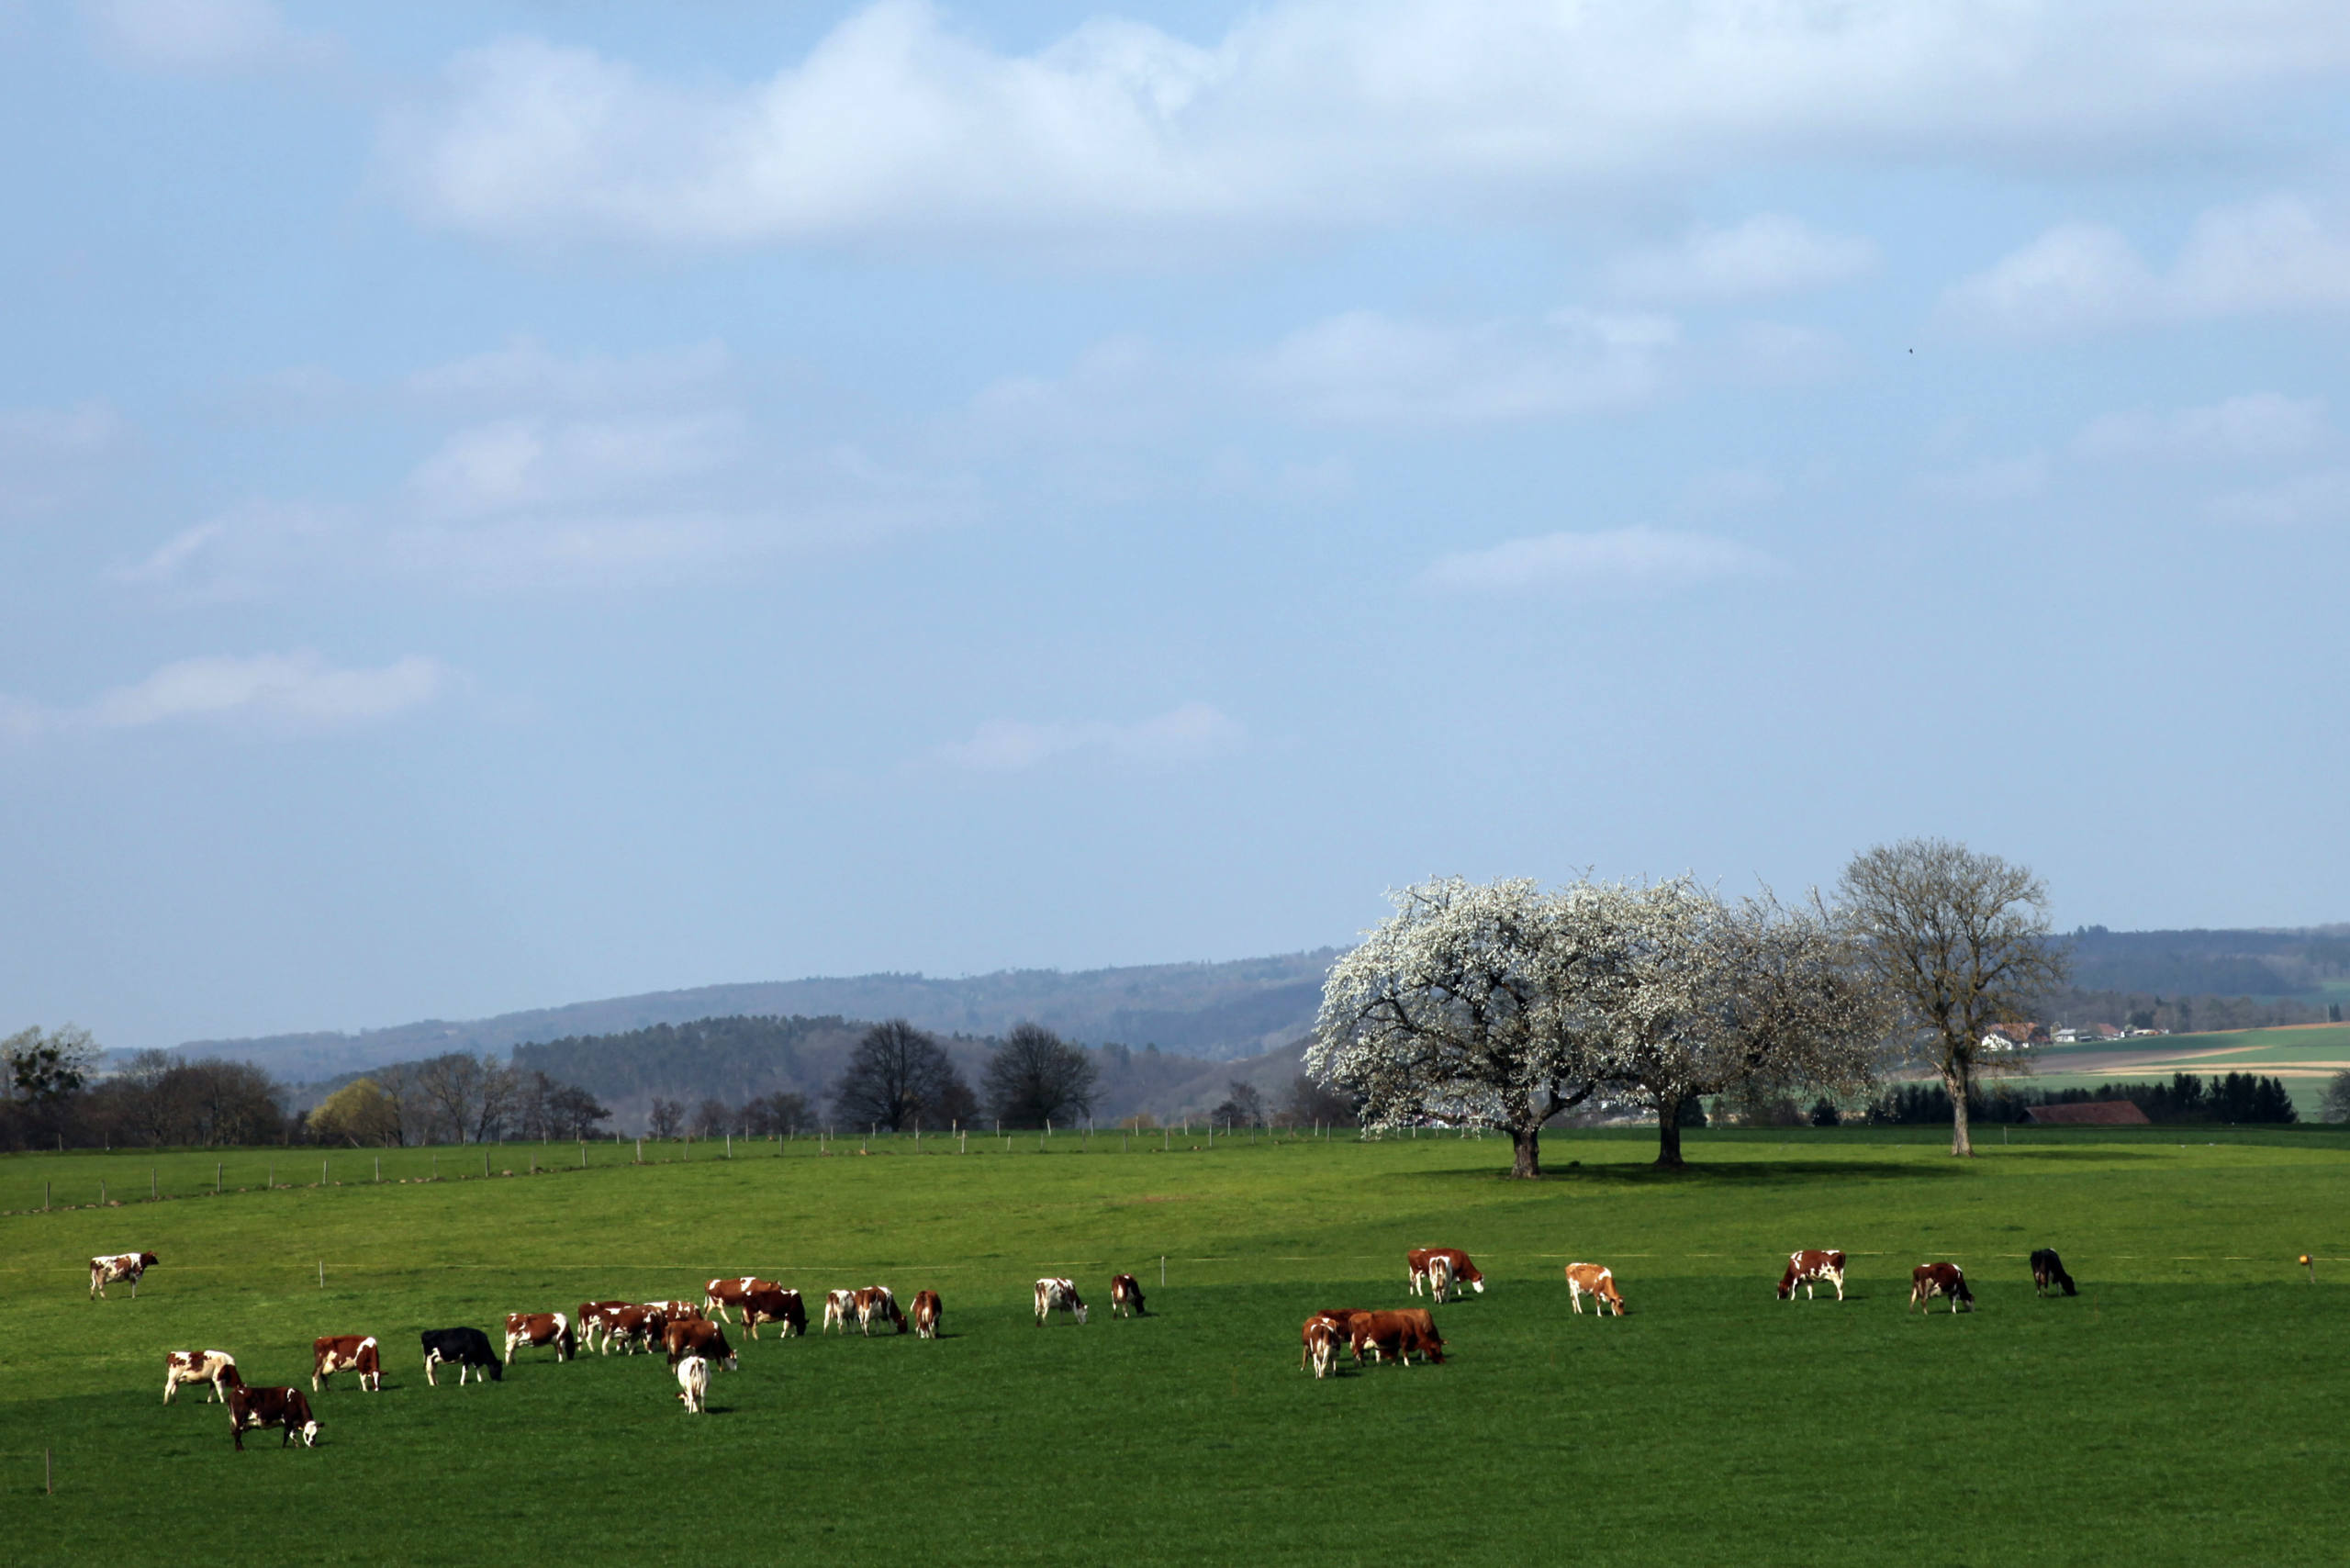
x=505 y=504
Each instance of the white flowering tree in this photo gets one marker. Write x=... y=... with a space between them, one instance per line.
x=1468 y=1006
x=1711 y=996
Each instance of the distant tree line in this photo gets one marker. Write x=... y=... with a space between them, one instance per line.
x=2237 y=1097
x=2183 y=1015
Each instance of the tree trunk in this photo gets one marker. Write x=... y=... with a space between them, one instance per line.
x=1526 y=1150
x=1954 y=1081
x=1668 y=1132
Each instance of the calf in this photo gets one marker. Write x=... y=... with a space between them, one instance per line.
x=253 y=1409
x=875 y=1301
x=839 y=1307
x=1397 y=1333
x=467 y=1349
x=1597 y=1282
x=104 y=1271
x=346 y=1352
x=2048 y=1272
x=1810 y=1267
x=697 y=1337
x=773 y=1304
x=693 y=1383
x=540 y=1328
x=1125 y=1298
x=927 y=1306
x=1928 y=1280
x=1457 y=1266
x=218 y=1368
x=1058 y=1296
x=634 y=1328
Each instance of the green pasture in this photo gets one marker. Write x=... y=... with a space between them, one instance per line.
x=2187 y=1407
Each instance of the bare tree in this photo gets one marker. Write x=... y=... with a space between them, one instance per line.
x=1310 y=1104
x=1711 y=997
x=1470 y=1004
x=779 y=1113
x=1037 y=1077
x=666 y=1117
x=1961 y=941
x=897 y=1078
x=1244 y=1106
x=714 y=1119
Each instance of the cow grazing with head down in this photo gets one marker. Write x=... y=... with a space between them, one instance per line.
x=720 y=1295
x=1125 y=1298
x=1397 y=1333
x=673 y=1311
x=1058 y=1296
x=1928 y=1280
x=335 y=1353
x=467 y=1349
x=1458 y=1269
x=773 y=1304
x=927 y=1308
x=104 y=1271
x=1811 y=1267
x=253 y=1409
x=592 y=1321
x=876 y=1302
x=540 y=1328
x=2048 y=1273
x=697 y=1337
x=218 y=1368
x=1336 y=1320
x=839 y=1307
x=632 y=1328
x=693 y=1383
x=1597 y=1281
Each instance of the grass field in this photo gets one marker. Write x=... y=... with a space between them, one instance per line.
x=2187 y=1407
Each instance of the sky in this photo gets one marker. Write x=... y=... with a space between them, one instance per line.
x=502 y=504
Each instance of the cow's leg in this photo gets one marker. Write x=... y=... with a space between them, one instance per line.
x=170 y=1383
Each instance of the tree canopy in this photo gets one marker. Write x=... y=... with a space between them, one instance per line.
x=898 y=1077
x=1036 y=1076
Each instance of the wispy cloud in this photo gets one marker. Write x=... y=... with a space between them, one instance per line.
x=525 y=373
x=298 y=691
x=2279 y=254
x=202 y=36
x=1991 y=480
x=2255 y=425
x=50 y=455
x=2309 y=498
x=1306 y=114
x=1769 y=253
x=1616 y=560
x=1187 y=733
x=1368 y=368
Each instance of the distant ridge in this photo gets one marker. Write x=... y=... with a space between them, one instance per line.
x=1221 y=1011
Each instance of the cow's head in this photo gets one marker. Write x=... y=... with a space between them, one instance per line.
x=308 y=1432
x=1081 y=1312
x=147 y=1259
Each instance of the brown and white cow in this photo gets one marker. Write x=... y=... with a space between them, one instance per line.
x=927 y=1307
x=1058 y=1296
x=675 y=1311
x=1125 y=1298
x=1928 y=1280
x=1597 y=1281
x=104 y=1271
x=540 y=1328
x=1809 y=1267
x=839 y=1307
x=876 y=1302
x=693 y=1383
x=335 y=1353
x=1335 y=1319
x=1456 y=1264
x=218 y=1368
x=592 y=1322
x=253 y=1409
x=1397 y=1333
x=632 y=1328
x=773 y=1304
x=697 y=1337
x=1321 y=1346
x=720 y=1295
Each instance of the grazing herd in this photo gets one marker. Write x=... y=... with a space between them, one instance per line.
x=690 y=1336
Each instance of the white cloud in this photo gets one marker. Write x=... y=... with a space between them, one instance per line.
x=1613 y=560
x=2310 y=499
x=2273 y=255
x=2255 y=425
x=525 y=373
x=50 y=455
x=201 y=37
x=1368 y=368
x=1317 y=112
x=1187 y=733
x=517 y=463
x=1767 y=254
x=298 y=690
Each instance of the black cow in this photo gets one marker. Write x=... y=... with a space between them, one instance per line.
x=254 y=1408
x=2048 y=1270
x=460 y=1348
